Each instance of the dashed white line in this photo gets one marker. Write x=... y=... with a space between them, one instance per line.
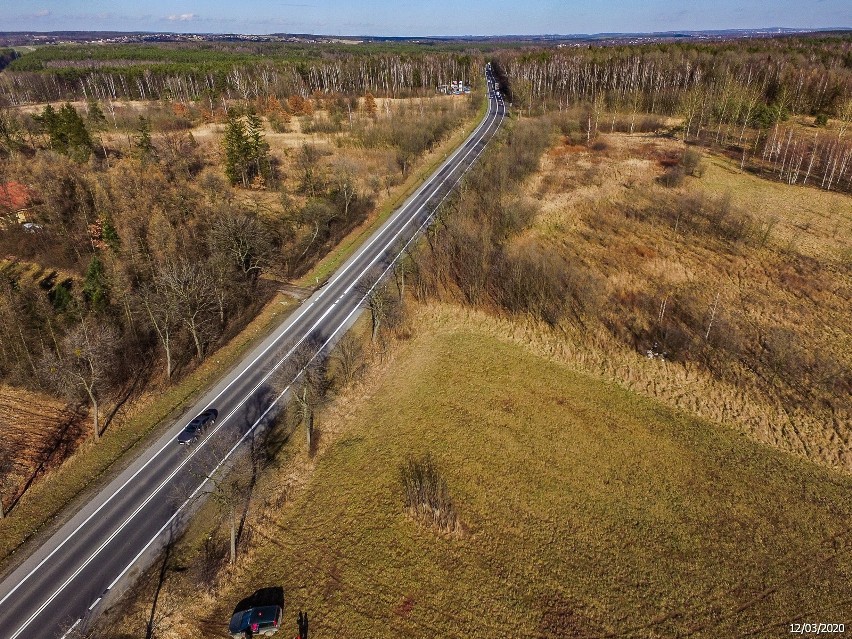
x=71 y=629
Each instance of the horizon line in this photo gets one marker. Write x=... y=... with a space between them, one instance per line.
x=779 y=30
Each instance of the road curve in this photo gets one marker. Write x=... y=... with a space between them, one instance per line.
x=84 y=566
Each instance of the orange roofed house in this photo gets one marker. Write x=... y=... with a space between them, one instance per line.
x=15 y=199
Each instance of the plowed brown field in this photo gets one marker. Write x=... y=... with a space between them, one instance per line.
x=39 y=432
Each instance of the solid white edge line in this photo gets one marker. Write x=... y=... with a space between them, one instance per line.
x=287 y=388
x=198 y=448
x=291 y=322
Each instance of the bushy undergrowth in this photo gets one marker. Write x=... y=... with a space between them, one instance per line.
x=147 y=243
x=427 y=497
x=745 y=314
x=475 y=250
x=411 y=132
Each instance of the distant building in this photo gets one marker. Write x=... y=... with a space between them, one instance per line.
x=15 y=199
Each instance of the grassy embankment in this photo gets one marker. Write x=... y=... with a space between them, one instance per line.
x=41 y=506
x=586 y=510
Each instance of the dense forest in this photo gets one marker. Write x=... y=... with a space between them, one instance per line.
x=131 y=250
x=7 y=56
x=740 y=96
x=210 y=74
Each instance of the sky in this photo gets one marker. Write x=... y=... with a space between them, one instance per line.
x=418 y=17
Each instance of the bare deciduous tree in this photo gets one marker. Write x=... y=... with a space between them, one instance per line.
x=191 y=285
x=230 y=487
x=349 y=353
x=84 y=365
x=343 y=177
x=307 y=160
x=403 y=266
x=306 y=374
x=244 y=239
x=377 y=300
x=162 y=308
x=228 y=492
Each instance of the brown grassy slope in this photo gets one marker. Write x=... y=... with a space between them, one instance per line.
x=814 y=222
x=587 y=510
x=38 y=432
x=783 y=303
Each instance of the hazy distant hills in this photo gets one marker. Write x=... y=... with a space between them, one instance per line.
x=22 y=38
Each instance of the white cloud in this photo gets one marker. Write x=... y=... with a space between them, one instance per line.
x=183 y=17
x=42 y=13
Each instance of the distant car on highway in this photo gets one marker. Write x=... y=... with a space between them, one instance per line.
x=197 y=426
x=264 y=620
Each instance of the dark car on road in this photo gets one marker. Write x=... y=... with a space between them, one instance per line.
x=197 y=426
x=264 y=620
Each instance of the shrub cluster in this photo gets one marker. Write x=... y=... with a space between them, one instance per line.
x=410 y=132
x=476 y=252
x=426 y=495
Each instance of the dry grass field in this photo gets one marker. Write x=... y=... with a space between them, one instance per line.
x=748 y=279
x=586 y=511
x=600 y=492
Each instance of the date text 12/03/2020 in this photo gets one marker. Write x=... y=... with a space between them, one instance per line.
x=817 y=628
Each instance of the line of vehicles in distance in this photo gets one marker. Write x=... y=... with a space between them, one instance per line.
x=493 y=85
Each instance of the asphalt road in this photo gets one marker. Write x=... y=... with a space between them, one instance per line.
x=84 y=566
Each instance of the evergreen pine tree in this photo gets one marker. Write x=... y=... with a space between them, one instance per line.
x=236 y=145
x=66 y=130
x=144 y=146
x=48 y=120
x=97 y=123
x=258 y=149
x=95 y=286
x=76 y=138
x=95 y=116
x=110 y=235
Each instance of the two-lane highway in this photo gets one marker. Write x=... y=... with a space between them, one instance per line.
x=66 y=582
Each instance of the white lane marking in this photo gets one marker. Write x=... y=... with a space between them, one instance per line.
x=95 y=603
x=148 y=499
x=71 y=629
x=338 y=274
x=283 y=392
x=272 y=404
x=198 y=448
